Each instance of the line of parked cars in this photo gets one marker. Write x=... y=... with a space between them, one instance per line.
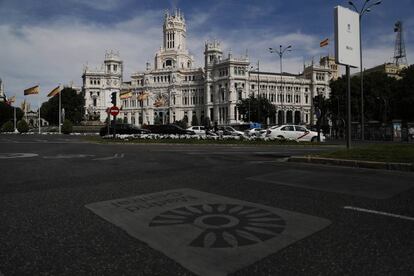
x=283 y=132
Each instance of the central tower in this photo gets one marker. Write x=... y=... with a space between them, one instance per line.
x=174 y=31
x=173 y=53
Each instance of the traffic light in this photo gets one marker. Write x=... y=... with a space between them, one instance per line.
x=113 y=98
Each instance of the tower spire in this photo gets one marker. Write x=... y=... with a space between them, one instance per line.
x=400 y=56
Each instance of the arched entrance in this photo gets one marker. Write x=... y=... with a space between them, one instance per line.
x=289 y=117
x=297 y=118
x=280 y=117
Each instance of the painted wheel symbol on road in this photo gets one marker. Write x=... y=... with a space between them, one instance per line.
x=17 y=155
x=224 y=225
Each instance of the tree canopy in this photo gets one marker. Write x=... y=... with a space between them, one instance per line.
x=7 y=113
x=72 y=103
x=256 y=109
x=385 y=98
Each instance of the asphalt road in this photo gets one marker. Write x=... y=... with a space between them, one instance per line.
x=45 y=229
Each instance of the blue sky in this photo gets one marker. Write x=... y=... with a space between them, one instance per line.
x=48 y=42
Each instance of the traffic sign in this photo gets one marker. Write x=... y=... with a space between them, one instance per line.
x=114 y=111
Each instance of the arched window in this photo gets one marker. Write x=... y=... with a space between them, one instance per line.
x=168 y=62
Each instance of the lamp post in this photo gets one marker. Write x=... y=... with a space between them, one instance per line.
x=258 y=91
x=280 y=52
x=366 y=8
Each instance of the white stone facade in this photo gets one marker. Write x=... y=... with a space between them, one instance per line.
x=99 y=83
x=2 y=96
x=174 y=89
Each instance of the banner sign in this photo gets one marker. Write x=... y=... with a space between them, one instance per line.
x=347 y=39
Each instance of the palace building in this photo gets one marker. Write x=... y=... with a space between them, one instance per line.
x=173 y=88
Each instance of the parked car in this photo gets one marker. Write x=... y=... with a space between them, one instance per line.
x=169 y=129
x=228 y=130
x=199 y=130
x=294 y=132
x=123 y=129
x=257 y=132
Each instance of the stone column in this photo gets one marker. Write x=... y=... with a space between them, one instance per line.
x=137 y=118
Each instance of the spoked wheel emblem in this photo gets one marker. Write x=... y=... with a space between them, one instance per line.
x=224 y=225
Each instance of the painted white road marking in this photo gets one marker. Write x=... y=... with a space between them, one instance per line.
x=116 y=156
x=378 y=213
x=221 y=234
x=67 y=156
x=17 y=155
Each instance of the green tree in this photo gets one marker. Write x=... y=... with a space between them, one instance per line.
x=7 y=113
x=402 y=104
x=322 y=111
x=182 y=123
x=206 y=122
x=67 y=127
x=380 y=94
x=7 y=127
x=194 y=120
x=22 y=126
x=72 y=102
x=259 y=109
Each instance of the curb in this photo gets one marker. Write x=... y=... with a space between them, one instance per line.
x=407 y=167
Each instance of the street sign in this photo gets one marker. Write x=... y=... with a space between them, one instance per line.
x=114 y=111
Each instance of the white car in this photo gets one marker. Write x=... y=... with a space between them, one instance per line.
x=255 y=132
x=199 y=130
x=294 y=132
x=231 y=130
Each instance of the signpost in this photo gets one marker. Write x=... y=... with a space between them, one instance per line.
x=114 y=111
x=347 y=51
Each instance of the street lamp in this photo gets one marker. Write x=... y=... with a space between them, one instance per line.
x=258 y=91
x=366 y=8
x=280 y=52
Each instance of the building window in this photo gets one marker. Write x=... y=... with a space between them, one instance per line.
x=94 y=102
x=168 y=62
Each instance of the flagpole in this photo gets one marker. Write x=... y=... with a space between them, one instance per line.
x=38 y=99
x=60 y=110
x=25 y=107
x=15 y=129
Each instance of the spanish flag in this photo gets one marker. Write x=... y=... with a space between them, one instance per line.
x=324 y=43
x=142 y=96
x=32 y=90
x=125 y=95
x=54 y=92
x=11 y=100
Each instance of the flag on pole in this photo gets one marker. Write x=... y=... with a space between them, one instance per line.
x=11 y=100
x=125 y=95
x=32 y=90
x=324 y=43
x=54 y=92
x=142 y=96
